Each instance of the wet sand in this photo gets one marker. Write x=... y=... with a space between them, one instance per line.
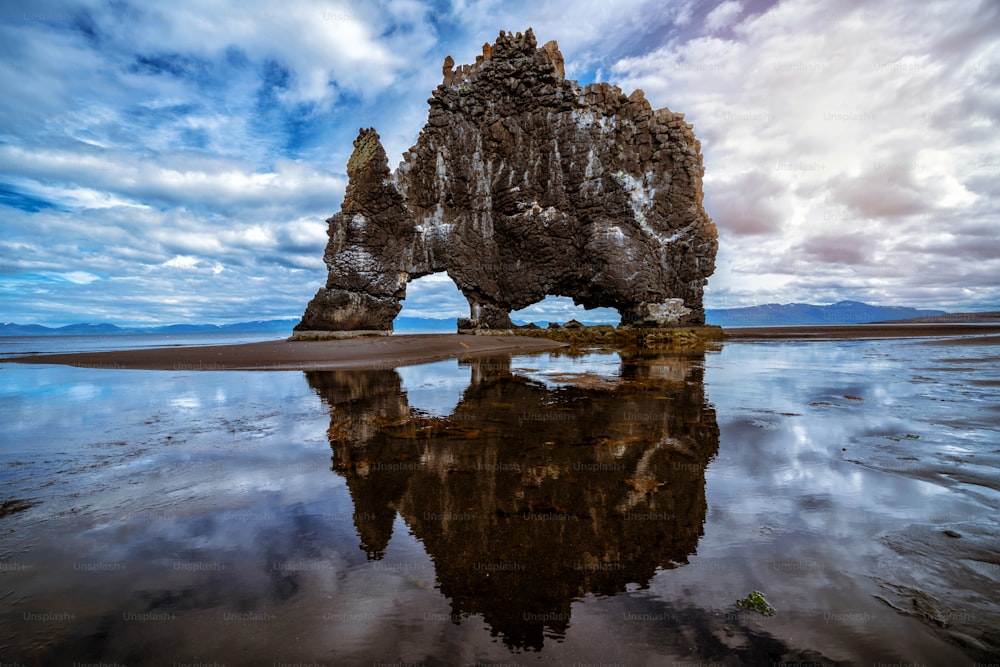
x=382 y=352
x=860 y=331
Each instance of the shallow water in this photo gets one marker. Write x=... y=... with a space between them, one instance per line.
x=545 y=509
x=13 y=346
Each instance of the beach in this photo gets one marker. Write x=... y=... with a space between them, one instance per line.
x=859 y=331
x=373 y=352
x=383 y=352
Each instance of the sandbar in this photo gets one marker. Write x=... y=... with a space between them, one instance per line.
x=377 y=352
x=384 y=352
x=860 y=332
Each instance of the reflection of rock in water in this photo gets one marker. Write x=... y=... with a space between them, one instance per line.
x=529 y=497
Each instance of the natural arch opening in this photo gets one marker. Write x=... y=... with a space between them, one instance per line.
x=561 y=309
x=433 y=304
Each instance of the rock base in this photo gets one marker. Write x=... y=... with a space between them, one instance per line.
x=337 y=335
x=674 y=338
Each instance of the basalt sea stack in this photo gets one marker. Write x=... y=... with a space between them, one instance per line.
x=523 y=184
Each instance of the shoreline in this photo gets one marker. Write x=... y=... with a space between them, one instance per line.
x=858 y=332
x=386 y=352
x=370 y=353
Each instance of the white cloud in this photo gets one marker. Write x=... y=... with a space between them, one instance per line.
x=434 y=296
x=321 y=42
x=749 y=203
x=186 y=262
x=723 y=15
x=562 y=309
x=106 y=178
x=826 y=125
x=76 y=277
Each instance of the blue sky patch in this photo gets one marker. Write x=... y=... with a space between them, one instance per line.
x=14 y=198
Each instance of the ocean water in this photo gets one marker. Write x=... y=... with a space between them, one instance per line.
x=589 y=508
x=11 y=346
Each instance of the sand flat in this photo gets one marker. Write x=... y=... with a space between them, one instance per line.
x=401 y=350
x=860 y=331
x=378 y=352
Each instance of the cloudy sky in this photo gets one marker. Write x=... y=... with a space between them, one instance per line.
x=177 y=163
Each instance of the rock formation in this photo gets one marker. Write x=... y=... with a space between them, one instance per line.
x=524 y=184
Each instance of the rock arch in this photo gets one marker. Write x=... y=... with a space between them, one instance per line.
x=523 y=184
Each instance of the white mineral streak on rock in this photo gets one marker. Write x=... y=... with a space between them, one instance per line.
x=641 y=195
x=360 y=260
x=616 y=233
x=669 y=311
x=442 y=174
x=643 y=479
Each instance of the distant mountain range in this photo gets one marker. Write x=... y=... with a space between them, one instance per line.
x=772 y=314
x=804 y=314
x=262 y=326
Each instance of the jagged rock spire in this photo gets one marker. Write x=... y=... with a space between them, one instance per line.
x=524 y=184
